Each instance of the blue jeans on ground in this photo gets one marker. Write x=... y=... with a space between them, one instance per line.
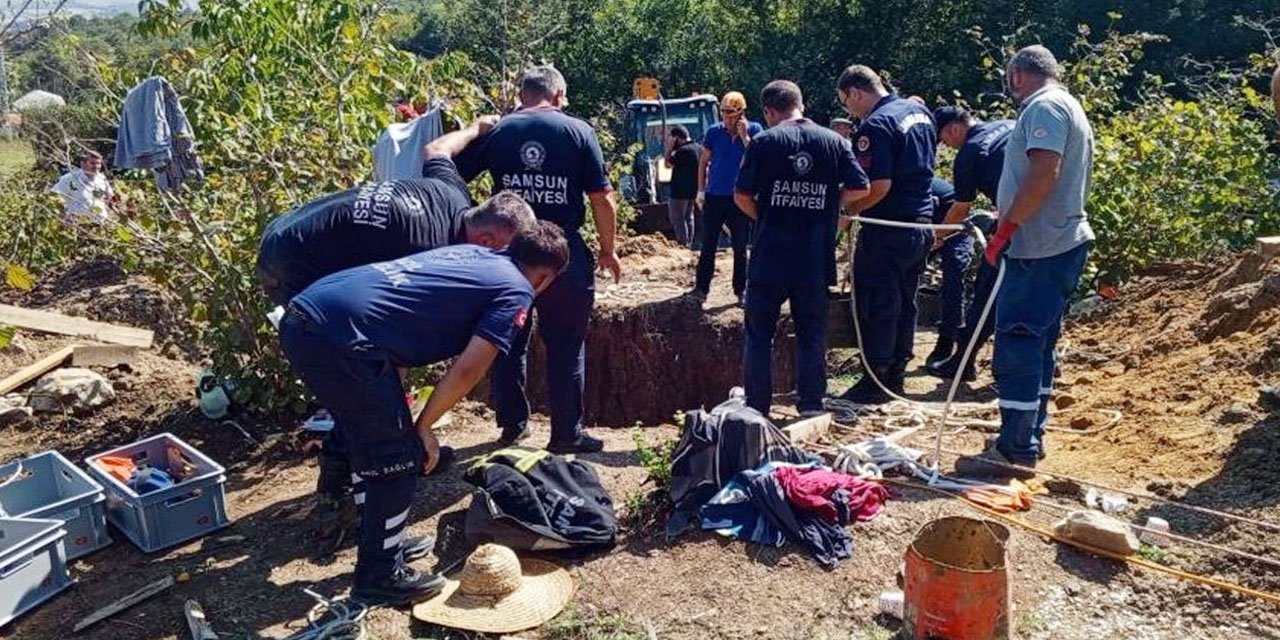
x=563 y=312
x=956 y=254
x=1029 y=310
x=887 y=266
x=718 y=212
x=809 y=313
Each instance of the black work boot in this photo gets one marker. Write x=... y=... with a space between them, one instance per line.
x=417 y=547
x=946 y=369
x=944 y=349
x=515 y=434
x=404 y=586
x=582 y=444
x=866 y=391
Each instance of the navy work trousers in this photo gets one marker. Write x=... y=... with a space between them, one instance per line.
x=373 y=440
x=956 y=255
x=563 y=313
x=719 y=212
x=1029 y=310
x=887 y=266
x=809 y=313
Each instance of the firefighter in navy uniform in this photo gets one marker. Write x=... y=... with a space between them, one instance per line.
x=552 y=160
x=977 y=169
x=795 y=178
x=895 y=145
x=347 y=335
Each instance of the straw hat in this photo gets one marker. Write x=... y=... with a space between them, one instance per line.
x=497 y=592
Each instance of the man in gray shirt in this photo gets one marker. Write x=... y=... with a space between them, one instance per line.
x=1046 y=233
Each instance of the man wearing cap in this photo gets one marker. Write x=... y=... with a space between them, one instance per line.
x=682 y=155
x=843 y=127
x=978 y=165
x=722 y=151
x=348 y=333
x=553 y=160
x=896 y=146
x=795 y=178
x=1044 y=238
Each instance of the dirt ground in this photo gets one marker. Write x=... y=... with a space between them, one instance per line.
x=1181 y=352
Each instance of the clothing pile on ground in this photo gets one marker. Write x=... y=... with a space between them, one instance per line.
x=155 y=134
x=529 y=499
x=741 y=477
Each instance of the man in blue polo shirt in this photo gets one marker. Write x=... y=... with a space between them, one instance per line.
x=978 y=165
x=722 y=149
x=552 y=160
x=895 y=145
x=795 y=178
x=347 y=335
x=383 y=221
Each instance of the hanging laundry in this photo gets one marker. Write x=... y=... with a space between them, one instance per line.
x=155 y=134
x=397 y=155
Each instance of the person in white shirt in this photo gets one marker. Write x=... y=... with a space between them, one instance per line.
x=85 y=191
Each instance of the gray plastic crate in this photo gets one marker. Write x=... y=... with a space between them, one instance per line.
x=33 y=564
x=48 y=486
x=191 y=508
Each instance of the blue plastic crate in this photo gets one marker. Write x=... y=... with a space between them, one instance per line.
x=48 y=486
x=33 y=564
x=193 y=507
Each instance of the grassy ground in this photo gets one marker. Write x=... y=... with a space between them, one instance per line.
x=15 y=155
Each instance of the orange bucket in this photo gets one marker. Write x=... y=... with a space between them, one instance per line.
x=955 y=583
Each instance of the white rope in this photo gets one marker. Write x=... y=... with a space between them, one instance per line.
x=973 y=337
x=338 y=619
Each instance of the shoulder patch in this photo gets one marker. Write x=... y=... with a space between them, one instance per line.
x=1039 y=133
x=521 y=317
x=864 y=143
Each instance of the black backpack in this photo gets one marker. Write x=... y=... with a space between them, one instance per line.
x=532 y=500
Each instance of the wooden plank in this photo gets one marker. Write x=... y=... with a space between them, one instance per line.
x=103 y=355
x=808 y=429
x=68 y=325
x=149 y=591
x=35 y=369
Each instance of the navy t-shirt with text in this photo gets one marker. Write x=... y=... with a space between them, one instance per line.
x=796 y=171
x=898 y=142
x=375 y=222
x=980 y=160
x=422 y=308
x=552 y=160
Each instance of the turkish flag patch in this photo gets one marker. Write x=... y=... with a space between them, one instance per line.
x=521 y=316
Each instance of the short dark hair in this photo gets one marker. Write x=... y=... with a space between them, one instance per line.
x=781 y=95
x=542 y=81
x=948 y=114
x=505 y=211
x=679 y=131
x=541 y=245
x=90 y=154
x=861 y=77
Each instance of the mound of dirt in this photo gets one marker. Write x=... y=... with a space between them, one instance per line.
x=99 y=289
x=1182 y=352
